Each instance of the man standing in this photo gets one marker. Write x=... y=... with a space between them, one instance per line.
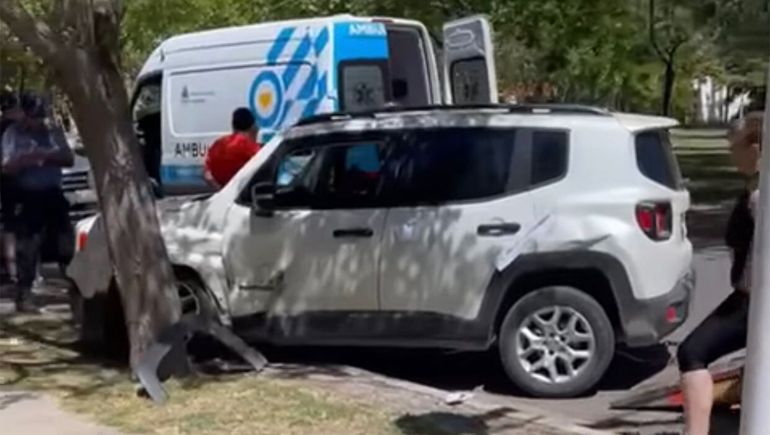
x=34 y=154
x=229 y=153
x=11 y=113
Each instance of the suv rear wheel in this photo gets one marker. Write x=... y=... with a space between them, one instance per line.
x=556 y=342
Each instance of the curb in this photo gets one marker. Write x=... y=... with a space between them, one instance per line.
x=523 y=412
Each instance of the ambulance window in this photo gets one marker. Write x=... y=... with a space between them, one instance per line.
x=362 y=86
x=469 y=79
x=408 y=66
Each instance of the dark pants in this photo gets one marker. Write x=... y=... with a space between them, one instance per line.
x=43 y=223
x=723 y=332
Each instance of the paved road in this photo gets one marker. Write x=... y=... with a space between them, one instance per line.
x=631 y=369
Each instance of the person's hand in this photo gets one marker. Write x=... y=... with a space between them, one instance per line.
x=37 y=157
x=29 y=158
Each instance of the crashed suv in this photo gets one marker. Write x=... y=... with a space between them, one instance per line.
x=549 y=233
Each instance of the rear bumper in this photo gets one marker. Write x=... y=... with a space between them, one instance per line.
x=648 y=321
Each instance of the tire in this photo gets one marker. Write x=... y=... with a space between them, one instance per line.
x=193 y=296
x=539 y=365
x=196 y=300
x=100 y=323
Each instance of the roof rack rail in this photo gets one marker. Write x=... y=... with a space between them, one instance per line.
x=577 y=109
x=515 y=108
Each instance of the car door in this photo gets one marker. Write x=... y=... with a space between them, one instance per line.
x=461 y=202
x=314 y=254
x=469 y=62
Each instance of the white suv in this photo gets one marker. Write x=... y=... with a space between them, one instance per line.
x=549 y=232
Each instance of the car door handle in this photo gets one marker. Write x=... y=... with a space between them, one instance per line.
x=495 y=230
x=353 y=232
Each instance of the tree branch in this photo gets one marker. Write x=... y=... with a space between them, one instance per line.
x=653 y=38
x=31 y=32
x=671 y=52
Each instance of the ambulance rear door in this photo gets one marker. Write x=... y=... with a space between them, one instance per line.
x=469 y=62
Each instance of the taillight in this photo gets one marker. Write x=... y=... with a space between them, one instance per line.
x=655 y=219
x=80 y=243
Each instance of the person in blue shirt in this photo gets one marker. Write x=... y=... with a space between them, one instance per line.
x=34 y=153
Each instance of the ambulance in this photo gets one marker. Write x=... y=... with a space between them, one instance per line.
x=286 y=71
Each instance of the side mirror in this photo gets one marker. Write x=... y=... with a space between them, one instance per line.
x=263 y=199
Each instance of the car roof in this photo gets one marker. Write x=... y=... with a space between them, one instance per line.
x=563 y=116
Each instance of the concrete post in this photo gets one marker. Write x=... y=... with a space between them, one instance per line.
x=755 y=409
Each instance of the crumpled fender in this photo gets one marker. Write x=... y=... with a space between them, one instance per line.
x=551 y=232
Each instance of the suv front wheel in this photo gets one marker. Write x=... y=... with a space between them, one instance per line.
x=556 y=342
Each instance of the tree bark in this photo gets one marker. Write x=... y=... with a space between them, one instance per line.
x=144 y=275
x=87 y=71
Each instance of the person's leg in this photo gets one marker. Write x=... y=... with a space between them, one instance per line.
x=698 y=390
x=9 y=254
x=30 y=228
x=10 y=226
x=722 y=332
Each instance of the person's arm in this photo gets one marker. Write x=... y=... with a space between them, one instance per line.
x=209 y=177
x=6 y=145
x=208 y=164
x=61 y=154
x=13 y=161
x=754 y=203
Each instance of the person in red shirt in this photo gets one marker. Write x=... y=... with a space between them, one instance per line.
x=228 y=154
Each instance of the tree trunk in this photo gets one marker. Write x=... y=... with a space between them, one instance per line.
x=83 y=56
x=143 y=272
x=668 y=87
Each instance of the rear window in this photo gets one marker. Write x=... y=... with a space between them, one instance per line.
x=469 y=81
x=656 y=159
x=362 y=86
x=549 y=156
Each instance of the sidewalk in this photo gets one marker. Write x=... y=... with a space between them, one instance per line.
x=29 y=413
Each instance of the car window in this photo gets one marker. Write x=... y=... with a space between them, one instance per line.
x=549 y=156
x=454 y=164
x=293 y=166
x=350 y=175
x=656 y=160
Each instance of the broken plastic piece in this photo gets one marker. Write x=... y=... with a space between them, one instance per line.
x=175 y=338
x=460 y=397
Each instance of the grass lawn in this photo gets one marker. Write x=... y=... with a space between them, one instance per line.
x=712 y=181
x=36 y=354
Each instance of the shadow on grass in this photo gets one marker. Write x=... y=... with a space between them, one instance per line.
x=499 y=420
x=40 y=353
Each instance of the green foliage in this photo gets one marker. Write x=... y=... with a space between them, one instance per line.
x=587 y=51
